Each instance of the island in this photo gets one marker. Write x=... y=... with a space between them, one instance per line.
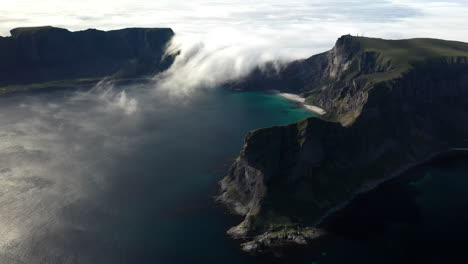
x=388 y=105
x=37 y=57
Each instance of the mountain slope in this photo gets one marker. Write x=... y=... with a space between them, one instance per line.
x=399 y=104
x=32 y=56
x=339 y=80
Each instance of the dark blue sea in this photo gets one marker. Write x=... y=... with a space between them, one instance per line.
x=128 y=174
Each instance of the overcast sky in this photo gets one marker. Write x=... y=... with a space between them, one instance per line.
x=317 y=23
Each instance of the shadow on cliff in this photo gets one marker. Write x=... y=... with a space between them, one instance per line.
x=398 y=217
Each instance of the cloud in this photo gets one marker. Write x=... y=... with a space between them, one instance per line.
x=216 y=57
x=113 y=99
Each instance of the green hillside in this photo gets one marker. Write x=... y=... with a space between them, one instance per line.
x=405 y=54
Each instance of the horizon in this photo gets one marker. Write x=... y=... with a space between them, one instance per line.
x=349 y=34
x=313 y=25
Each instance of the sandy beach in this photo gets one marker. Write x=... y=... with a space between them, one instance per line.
x=297 y=98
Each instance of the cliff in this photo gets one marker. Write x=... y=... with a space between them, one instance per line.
x=339 y=80
x=390 y=105
x=32 y=56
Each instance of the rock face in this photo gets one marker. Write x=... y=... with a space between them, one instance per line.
x=394 y=110
x=44 y=54
x=339 y=80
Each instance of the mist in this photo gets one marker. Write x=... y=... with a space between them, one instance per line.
x=66 y=156
x=55 y=151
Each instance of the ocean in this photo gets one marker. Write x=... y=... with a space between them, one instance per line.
x=128 y=174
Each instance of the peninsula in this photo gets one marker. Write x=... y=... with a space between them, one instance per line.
x=389 y=104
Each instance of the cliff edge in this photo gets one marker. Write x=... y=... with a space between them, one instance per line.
x=40 y=55
x=390 y=104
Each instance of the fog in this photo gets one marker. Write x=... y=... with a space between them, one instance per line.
x=54 y=151
x=77 y=168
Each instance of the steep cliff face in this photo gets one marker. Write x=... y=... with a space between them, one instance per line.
x=287 y=179
x=339 y=80
x=44 y=54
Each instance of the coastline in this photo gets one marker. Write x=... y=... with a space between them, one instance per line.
x=301 y=100
x=318 y=230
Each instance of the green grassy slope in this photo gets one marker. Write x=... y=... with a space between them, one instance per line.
x=405 y=54
x=399 y=103
x=361 y=64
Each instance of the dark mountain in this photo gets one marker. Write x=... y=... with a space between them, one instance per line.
x=390 y=104
x=38 y=55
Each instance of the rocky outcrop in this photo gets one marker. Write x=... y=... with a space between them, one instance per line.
x=45 y=54
x=339 y=80
x=291 y=177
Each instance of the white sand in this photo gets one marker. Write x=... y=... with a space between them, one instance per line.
x=297 y=98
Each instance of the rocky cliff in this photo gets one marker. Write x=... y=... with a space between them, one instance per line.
x=339 y=80
x=46 y=54
x=390 y=105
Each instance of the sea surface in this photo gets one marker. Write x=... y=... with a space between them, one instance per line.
x=128 y=174
x=123 y=174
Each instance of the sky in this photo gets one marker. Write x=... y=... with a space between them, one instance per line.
x=297 y=27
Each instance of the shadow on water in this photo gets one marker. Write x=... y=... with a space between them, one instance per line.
x=419 y=217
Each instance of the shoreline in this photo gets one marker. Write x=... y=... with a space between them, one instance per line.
x=301 y=100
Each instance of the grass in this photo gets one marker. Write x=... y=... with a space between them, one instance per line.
x=59 y=83
x=388 y=60
x=408 y=51
x=405 y=54
x=344 y=178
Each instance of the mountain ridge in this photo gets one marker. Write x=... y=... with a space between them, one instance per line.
x=338 y=80
x=39 y=56
x=287 y=179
